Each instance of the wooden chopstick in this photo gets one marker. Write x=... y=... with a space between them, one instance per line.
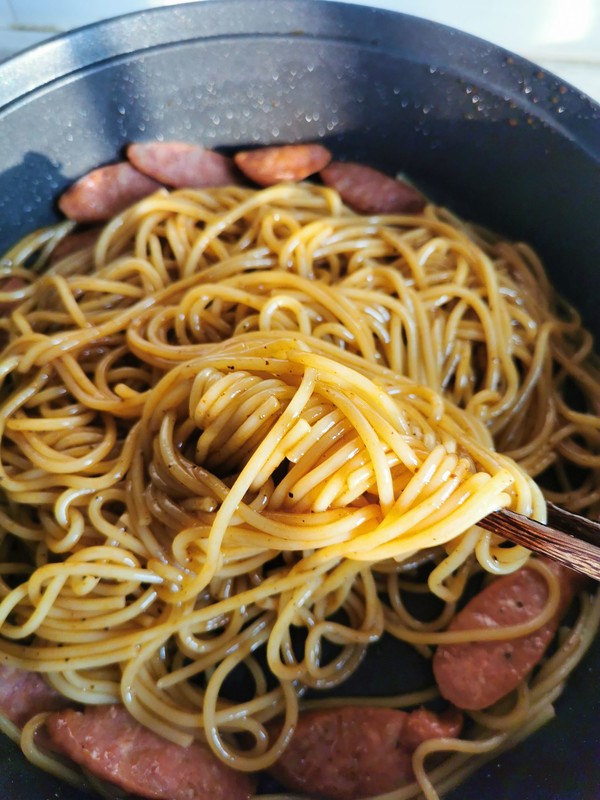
x=568 y=538
x=574 y=524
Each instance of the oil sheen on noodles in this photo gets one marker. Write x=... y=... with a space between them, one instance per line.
x=247 y=414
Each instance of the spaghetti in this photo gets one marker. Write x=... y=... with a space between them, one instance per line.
x=236 y=429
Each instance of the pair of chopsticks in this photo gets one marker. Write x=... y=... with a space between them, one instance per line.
x=567 y=538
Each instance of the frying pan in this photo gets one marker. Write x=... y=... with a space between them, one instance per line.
x=495 y=137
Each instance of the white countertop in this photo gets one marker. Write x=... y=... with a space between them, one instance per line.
x=562 y=36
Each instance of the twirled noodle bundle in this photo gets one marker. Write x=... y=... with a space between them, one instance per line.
x=232 y=430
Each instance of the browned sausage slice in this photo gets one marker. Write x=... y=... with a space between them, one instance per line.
x=105 y=191
x=114 y=747
x=24 y=694
x=475 y=675
x=354 y=752
x=423 y=724
x=368 y=191
x=289 y=162
x=179 y=164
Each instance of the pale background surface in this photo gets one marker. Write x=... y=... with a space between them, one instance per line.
x=561 y=35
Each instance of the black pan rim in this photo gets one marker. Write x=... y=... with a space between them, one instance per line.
x=89 y=46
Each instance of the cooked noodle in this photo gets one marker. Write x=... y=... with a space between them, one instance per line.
x=235 y=432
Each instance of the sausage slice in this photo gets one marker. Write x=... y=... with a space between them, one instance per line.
x=105 y=191
x=290 y=162
x=24 y=694
x=179 y=164
x=114 y=747
x=354 y=752
x=423 y=724
x=369 y=191
x=474 y=675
